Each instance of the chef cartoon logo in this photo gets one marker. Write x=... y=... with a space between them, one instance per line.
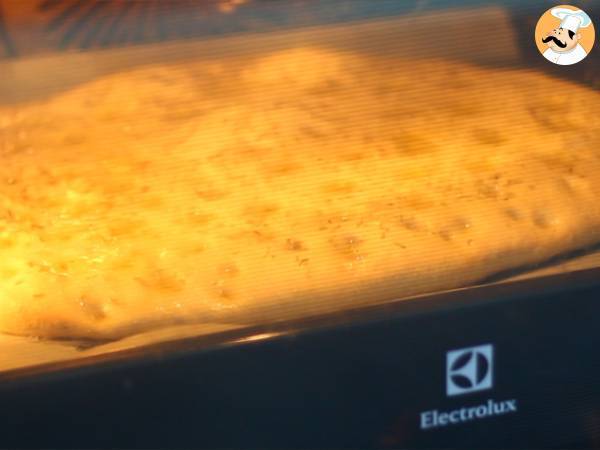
x=564 y=35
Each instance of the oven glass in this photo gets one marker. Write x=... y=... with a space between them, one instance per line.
x=179 y=169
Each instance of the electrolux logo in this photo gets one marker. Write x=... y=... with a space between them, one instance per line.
x=435 y=418
x=469 y=369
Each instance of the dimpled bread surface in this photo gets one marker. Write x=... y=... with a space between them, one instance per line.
x=300 y=182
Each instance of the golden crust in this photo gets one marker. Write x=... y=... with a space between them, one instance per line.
x=301 y=182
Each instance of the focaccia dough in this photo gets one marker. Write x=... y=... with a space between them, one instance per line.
x=296 y=183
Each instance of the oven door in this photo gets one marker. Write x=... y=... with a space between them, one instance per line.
x=507 y=361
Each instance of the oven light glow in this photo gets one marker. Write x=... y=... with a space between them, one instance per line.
x=259 y=337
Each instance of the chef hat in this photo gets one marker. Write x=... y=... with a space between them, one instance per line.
x=572 y=19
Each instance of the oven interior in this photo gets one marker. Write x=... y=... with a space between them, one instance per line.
x=49 y=48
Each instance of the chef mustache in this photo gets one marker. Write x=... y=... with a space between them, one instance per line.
x=556 y=41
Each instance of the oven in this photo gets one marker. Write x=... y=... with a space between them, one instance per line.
x=248 y=223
